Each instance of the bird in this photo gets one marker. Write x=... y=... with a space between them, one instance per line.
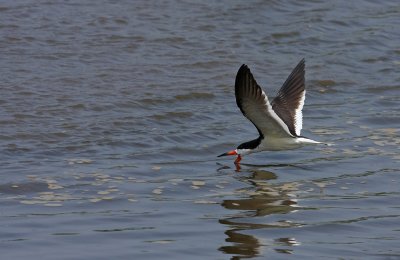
x=279 y=122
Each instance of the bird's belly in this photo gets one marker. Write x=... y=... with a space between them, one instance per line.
x=278 y=144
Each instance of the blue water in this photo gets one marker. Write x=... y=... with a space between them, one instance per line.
x=112 y=114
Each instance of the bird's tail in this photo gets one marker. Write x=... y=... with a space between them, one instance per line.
x=304 y=140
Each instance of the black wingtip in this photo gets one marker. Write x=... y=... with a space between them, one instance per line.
x=302 y=62
x=243 y=68
x=242 y=73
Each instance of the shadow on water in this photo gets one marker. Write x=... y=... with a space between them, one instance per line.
x=260 y=200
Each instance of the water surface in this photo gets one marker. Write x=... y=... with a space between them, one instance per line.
x=112 y=114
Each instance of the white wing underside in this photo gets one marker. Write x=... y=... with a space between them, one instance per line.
x=264 y=117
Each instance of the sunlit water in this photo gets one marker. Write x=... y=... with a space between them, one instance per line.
x=112 y=114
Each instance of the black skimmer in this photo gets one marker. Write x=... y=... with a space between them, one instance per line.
x=278 y=123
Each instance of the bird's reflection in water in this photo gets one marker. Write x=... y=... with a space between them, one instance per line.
x=260 y=200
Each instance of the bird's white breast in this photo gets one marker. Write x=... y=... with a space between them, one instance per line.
x=277 y=144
